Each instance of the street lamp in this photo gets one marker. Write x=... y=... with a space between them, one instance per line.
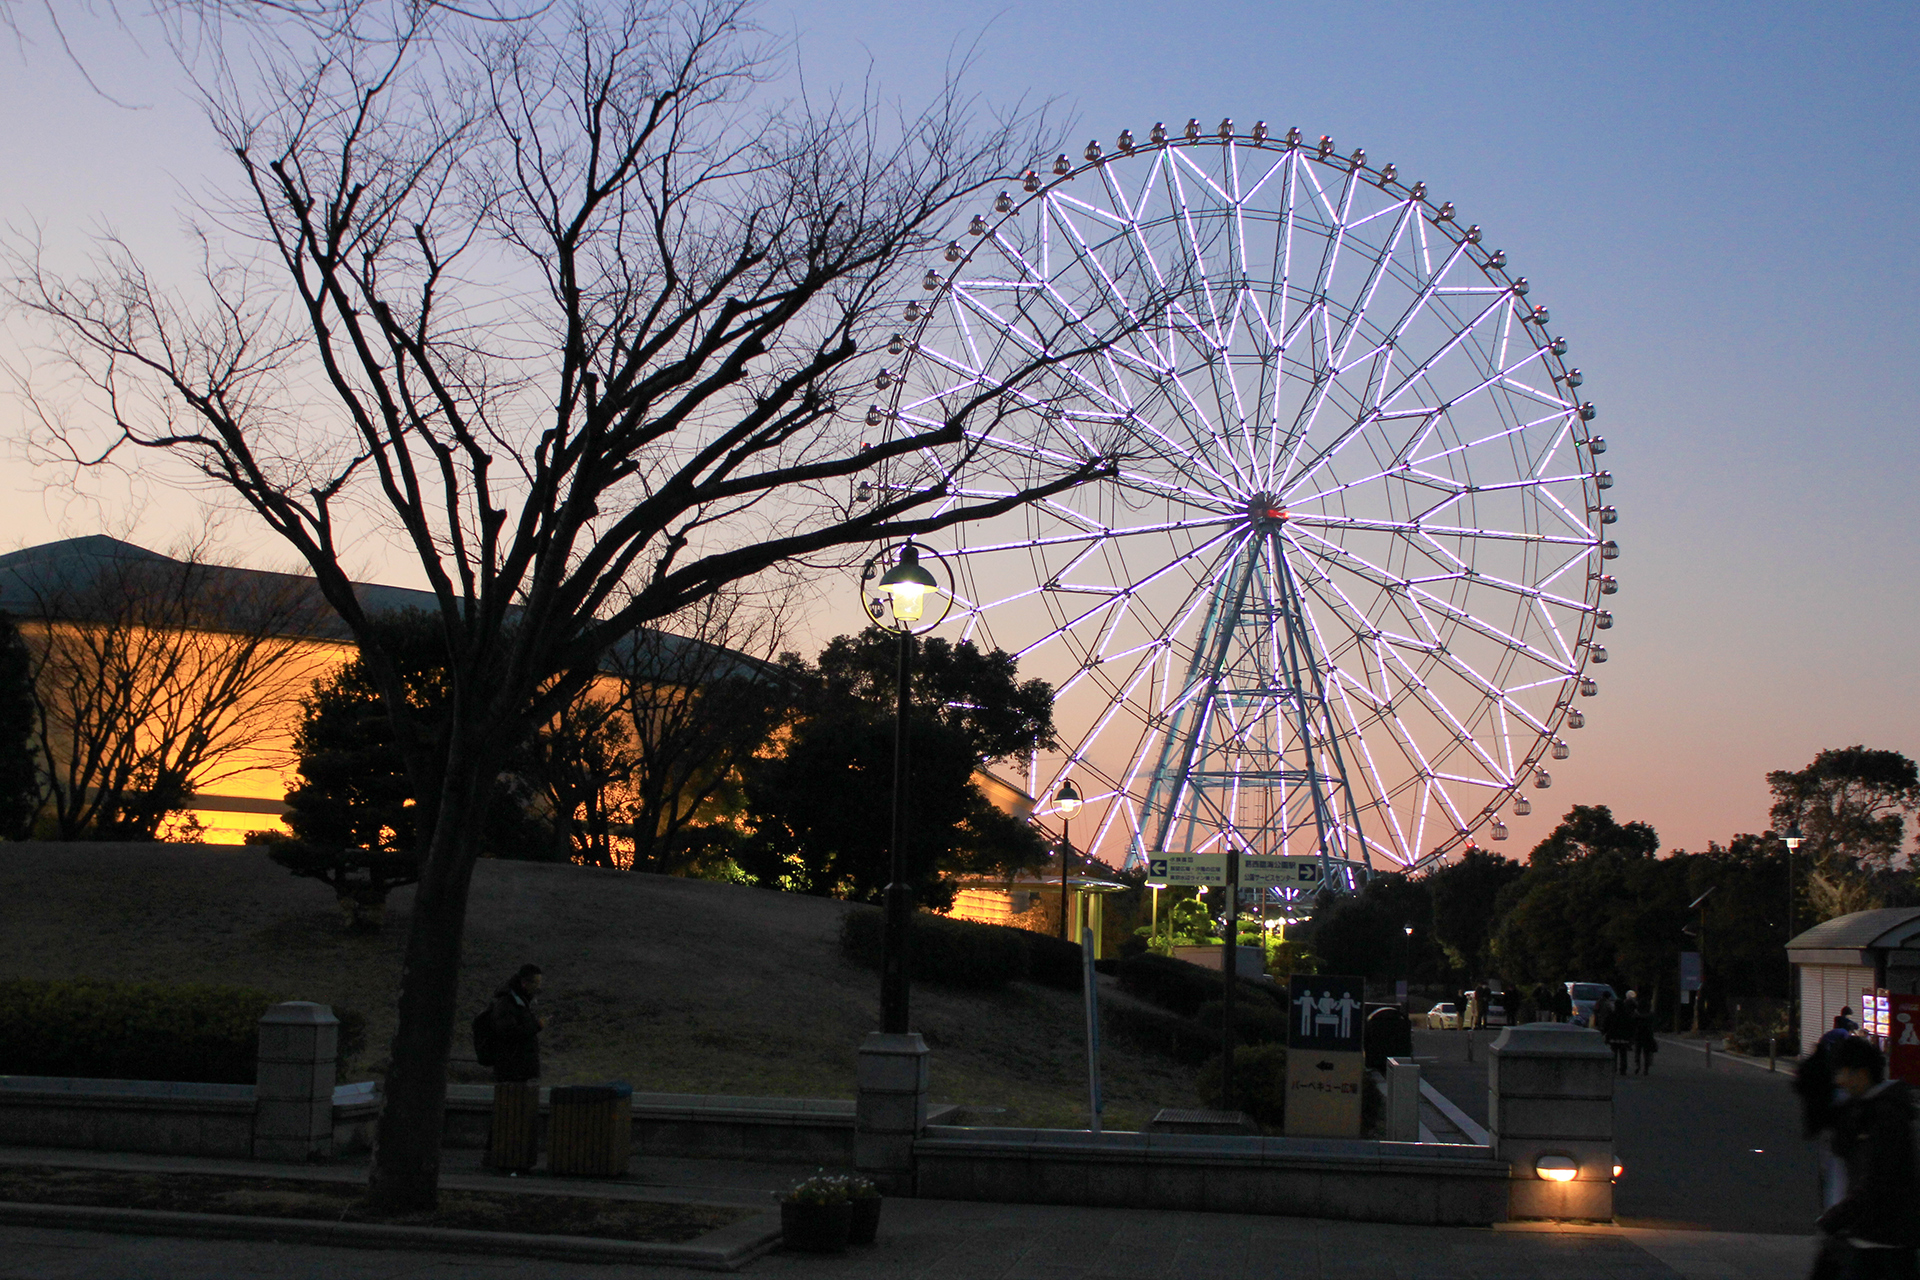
x=1067 y=802
x=1792 y=841
x=899 y=604
x=1406 y=966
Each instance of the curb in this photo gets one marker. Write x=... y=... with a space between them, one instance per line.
x=726 y=1249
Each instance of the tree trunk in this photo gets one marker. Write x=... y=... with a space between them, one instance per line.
x=406 y=1149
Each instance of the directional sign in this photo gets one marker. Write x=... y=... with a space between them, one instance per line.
x=1188 y=868
x=1287 y=873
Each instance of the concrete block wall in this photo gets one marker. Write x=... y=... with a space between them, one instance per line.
x=1550 y=1089
x=293 y=1083
x=890 y=1107
x=1354 y=1179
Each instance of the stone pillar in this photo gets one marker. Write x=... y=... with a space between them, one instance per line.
x=294 y=1075
x=1551 y=1091
x=1403 y=1100
x=890 y=1109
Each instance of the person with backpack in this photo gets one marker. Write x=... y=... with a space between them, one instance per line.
x=506 y=1037
x=515 y=1027
x=1876 y=1222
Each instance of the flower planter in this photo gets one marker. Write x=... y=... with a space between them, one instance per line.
x=816 y=1228
x=866 y=1221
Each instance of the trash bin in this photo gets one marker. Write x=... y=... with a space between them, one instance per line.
x=513 y=1140
x=590 y=1130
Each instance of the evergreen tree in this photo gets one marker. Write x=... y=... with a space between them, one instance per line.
x=19 y=782
x=820 y=811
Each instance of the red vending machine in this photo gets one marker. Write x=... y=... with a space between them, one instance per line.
x=1903 y=1037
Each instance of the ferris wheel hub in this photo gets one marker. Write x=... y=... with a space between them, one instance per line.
x=1265 y=511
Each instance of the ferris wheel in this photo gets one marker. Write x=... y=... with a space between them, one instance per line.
x=1337 y=594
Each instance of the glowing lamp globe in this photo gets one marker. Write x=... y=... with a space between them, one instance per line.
x=908 y=584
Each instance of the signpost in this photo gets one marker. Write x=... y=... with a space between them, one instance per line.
x=1188 y=868
x=1280 y=873
x=1689 y=975
x=1326 y=1058
x=1091 y=986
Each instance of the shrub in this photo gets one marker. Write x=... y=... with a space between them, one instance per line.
x=1156 y=1031
x=192 y=1033
x=1259 y=1084
x=1254 y=1021
x=956 y=953
x=1751 y=1036
x=1182 y=988
x=1054 y=962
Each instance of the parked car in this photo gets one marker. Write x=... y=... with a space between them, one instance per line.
x=1443 y=1017
x=1585 y=996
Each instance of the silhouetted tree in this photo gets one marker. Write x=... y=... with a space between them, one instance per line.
x=19 y=787
x=154 y=678
x=1466 y=894
x=819 y=808
x=1851 y=804
x=560 y=308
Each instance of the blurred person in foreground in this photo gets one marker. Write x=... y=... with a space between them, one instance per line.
x=1874 y=1228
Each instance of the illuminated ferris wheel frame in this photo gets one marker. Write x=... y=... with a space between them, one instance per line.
x=1340 y=593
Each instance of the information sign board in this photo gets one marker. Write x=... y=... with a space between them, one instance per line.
x=1289 y=873
x=1326 y=1024
x=1188 y=868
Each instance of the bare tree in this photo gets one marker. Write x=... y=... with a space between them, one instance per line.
x=703 y=696
x=564 y=308
x=154 y=679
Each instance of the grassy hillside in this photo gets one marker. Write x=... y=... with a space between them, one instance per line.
x=675 y=985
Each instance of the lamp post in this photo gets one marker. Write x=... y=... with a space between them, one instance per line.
x=904 y=587
x=1067 y=802
x=1792 y=841
x=1700 y=996
x=1406 y=966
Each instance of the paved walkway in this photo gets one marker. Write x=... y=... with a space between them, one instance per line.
x=943 y=1240
x=963 y=1241
x=1715 y=1148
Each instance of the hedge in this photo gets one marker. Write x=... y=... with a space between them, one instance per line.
x=1259 y=1084
x=1183 y=988
x=1156 y=1031
x=1254 y=1021
x=191 y=1033
x=964 y=953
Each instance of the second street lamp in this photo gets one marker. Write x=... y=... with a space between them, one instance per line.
x=904 y=589
x=1067 y=802
x=1792 y=841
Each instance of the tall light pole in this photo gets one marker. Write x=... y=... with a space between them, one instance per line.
x=1700 y=996
x=1792 y=841
x=1406 y=966
x=906 y=585
x=1066 y=802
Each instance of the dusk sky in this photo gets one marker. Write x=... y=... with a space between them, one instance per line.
x=1716 y=201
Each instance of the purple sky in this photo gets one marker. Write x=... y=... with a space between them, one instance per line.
x=1716 y=201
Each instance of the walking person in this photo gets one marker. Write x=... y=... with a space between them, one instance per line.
x=1644 y=1043
x=1875 y=1222
x=1562 y=1003
x=1601 y=1012
x=514 y=1027
x=1618 y=1028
